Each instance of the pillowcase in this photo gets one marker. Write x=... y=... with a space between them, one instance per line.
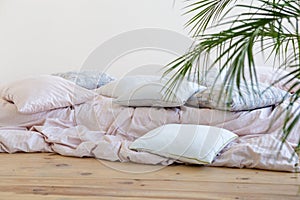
x=43 y=93
x=155 y=93
x=89 y=79
x=196 y=144
x=118 y=87
x=249 y=97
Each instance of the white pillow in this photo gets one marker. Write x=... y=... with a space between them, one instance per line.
x=116 y=88
x=188 y=143
x=153 y=91
x=43 y=93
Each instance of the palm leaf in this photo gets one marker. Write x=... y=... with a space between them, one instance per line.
x=272 y=28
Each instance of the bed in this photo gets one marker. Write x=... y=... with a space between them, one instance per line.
x=45 y=118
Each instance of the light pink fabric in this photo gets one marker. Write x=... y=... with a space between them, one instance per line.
x=105 y=131
x=12 y=141
x=43 y=93
x=131 y=122
x=10 y=117
x=269 y=75
x=263 y=152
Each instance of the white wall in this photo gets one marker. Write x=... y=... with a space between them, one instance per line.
x=46 y=36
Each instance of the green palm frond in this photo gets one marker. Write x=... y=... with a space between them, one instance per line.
x=268 y=27
x=207 y=12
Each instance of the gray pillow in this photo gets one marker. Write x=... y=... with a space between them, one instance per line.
x=249 y=97
x=89 y=79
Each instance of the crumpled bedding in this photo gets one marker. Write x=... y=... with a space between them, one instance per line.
x=101 y=129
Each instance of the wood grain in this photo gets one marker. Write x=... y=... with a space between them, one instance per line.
x=50 y=176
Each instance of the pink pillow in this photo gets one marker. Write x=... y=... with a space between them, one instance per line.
x=42 y=93
x=269 y=75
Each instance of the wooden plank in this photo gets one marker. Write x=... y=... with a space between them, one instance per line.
x=48 y=176
x=54 y=193
x=39 y=165
x=7 y=196
x=149 y=185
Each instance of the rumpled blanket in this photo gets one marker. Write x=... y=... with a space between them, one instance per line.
x=104 y=130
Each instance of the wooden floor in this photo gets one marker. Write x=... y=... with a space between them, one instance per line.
x=50 y=176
